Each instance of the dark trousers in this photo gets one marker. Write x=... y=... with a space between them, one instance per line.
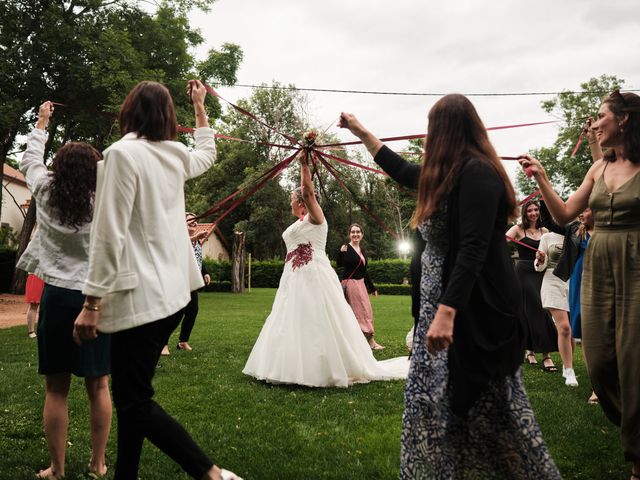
x=134 y=355
x=190 y=313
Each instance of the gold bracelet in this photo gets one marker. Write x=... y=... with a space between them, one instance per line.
x=94 y=307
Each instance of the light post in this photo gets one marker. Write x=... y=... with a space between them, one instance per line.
x=404 y=248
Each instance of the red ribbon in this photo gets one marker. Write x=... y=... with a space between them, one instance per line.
x=575 y=150
x=251 y=115
x=332 y=171
x=422 y=135
x=511 y=239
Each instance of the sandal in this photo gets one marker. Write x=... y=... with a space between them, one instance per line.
x=549 y=368
x=32 y=334
x=529 y=358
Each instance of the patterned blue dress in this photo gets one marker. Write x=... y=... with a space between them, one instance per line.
x=498 y=439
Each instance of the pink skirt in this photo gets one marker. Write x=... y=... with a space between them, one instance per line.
x=33 y=289
x=358 y=298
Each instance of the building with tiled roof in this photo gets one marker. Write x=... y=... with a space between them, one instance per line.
x=214 y=245
x=15 y=198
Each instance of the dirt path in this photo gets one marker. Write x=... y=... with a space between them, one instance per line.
x=12 y=310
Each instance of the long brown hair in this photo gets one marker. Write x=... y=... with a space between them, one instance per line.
x=148 y=111
x=454 y=136
x=629 y=103
x=73 y=183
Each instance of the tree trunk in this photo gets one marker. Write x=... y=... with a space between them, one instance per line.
x=237 y=272
x=20 y=276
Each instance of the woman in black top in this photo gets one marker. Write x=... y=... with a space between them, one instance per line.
x=466 y=411
x=541 y=331
x=356 y=283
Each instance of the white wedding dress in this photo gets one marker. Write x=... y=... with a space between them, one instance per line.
x=311 y=337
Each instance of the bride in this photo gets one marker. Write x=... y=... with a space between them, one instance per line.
x=312 y=337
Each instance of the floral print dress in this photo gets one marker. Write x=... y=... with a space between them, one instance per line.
x=499 y=437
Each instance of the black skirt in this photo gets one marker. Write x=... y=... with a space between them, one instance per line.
x=57 y=352
x=542 y=335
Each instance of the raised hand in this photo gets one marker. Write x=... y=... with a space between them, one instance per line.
x=44 y=114
x=531 y=166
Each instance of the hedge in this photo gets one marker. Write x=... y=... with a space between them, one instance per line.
x=7 y=264
x=387 y=274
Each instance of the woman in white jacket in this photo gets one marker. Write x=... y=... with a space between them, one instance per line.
x=555 y=298
x=142 y=269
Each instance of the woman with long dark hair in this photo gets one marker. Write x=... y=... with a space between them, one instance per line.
x=142 y=269
x=356 y=282
x=610 y=294
x=541 y=332
x=466 y=410
x=59 y=255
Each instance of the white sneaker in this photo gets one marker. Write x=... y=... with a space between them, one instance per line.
x=570 y=377
x=228 y=475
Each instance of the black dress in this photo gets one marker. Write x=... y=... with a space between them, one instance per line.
x=542 y=335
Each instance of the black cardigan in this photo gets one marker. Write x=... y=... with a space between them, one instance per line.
x=480 y=283
x=353 y=268
x=406 y=174
x=571 y=246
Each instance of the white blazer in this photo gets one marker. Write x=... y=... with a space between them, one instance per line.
x=141 y=262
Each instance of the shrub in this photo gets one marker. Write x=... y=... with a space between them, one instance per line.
x=7 y=236
x=393 y=289
x=266 y=273
x=224 y=286
x=7 y=264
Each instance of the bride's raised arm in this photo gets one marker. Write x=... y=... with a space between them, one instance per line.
x=316 y=216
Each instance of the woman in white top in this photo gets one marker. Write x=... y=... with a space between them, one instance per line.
x=59 y=255
x=555 y=298
x=142 y=268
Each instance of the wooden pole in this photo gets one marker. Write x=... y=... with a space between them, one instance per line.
x=238 y=256
x=249 y=276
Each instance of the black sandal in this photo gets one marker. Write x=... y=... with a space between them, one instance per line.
x=549 y=368
x=528 y=359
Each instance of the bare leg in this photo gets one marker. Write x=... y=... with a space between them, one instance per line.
x=547 y=361
x=32 y=316
x=56 y=422
x=564 y=336
x=100 y=411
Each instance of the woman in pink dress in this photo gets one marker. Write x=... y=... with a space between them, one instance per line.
x=356 y=283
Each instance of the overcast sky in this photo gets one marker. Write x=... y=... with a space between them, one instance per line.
x=490 y=46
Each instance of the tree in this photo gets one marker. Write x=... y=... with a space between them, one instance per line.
x=564 y=171
x=87 y=54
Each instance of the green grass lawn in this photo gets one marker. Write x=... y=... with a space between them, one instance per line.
x=275 y=432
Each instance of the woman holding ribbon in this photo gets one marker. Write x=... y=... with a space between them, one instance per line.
x=466 y=411
x=610 y=295
x=312 y=337
x=59 y=255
